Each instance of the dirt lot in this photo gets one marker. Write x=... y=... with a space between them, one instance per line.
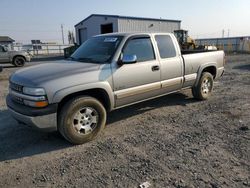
x=173 y=141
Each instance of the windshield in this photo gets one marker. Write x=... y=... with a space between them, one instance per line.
x=97 y=49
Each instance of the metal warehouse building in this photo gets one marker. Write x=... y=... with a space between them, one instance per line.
x=97 y=24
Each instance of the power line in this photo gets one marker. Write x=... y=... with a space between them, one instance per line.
x=204 y=35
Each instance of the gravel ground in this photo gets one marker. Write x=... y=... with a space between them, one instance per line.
x=173 y=141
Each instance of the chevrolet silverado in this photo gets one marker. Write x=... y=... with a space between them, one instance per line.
x=105 y=73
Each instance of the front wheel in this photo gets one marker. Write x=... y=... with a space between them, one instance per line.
x=204 y=88
x=18 y=61
x=81 y=119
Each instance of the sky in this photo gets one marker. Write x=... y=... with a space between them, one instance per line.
x=24 y=20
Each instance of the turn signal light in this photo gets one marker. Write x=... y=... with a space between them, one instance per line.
x=41 y=104
x=38 y=104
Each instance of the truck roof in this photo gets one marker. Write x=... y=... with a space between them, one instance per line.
x=131 y=33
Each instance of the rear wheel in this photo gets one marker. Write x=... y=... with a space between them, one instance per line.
x=18 y=61
x=81 y=119
x=204 y=88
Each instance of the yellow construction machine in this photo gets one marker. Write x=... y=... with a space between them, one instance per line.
x=186 y=42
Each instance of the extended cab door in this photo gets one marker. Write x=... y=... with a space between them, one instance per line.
x=4 y=55
x=171 y=63
x=138 y=81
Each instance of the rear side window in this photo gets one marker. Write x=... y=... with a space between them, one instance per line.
x=141 y=47
x=165 y=46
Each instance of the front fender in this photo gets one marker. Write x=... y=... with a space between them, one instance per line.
x=59 y=95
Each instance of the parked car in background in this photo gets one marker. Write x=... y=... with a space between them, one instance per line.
x=105 y=73
x=17 y=58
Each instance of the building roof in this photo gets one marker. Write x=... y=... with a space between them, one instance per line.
x=128 y=17
x=6 y=39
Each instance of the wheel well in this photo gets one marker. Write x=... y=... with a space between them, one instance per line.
x=18 y=56
x=99 y=94
x=211 y=70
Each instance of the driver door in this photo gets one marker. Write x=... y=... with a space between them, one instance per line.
x=140 y=80
x=4 y=55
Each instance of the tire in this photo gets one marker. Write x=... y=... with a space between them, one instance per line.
x=204 y=88
x=81 y=119
x=18 y=61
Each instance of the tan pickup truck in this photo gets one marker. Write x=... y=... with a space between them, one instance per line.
x=105 y=73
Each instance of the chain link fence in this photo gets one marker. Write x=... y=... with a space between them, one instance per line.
x=42 y=49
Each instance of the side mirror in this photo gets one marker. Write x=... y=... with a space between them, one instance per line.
x=5 y=49
x=128 y=59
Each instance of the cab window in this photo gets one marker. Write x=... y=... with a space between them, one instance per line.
x=2 y=49
x=141 y=47
x=166 y=46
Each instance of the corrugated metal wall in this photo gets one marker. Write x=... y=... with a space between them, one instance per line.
x=231 y=44
x=133 y=25
x=92 y=26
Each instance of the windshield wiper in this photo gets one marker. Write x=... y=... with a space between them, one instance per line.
x=89 y=60
x=71 y=58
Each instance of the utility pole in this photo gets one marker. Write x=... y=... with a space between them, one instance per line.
x=228 y=33
x=62 y=33
x=223 y=33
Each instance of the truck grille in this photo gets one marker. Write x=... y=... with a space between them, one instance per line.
x=17 y=99
x=16 y=87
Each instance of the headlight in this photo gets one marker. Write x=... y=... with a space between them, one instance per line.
x=33 y=91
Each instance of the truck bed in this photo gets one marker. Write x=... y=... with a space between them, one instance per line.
x=193 y=61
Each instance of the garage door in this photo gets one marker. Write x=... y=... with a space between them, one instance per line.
x=82 y=35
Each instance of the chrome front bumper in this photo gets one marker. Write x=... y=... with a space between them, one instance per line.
x=45 y=122
x=28 y=58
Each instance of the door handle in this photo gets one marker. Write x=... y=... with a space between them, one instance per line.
x=155 y=68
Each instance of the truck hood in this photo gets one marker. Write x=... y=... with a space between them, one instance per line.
x=39 y=75
x=14 y=52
